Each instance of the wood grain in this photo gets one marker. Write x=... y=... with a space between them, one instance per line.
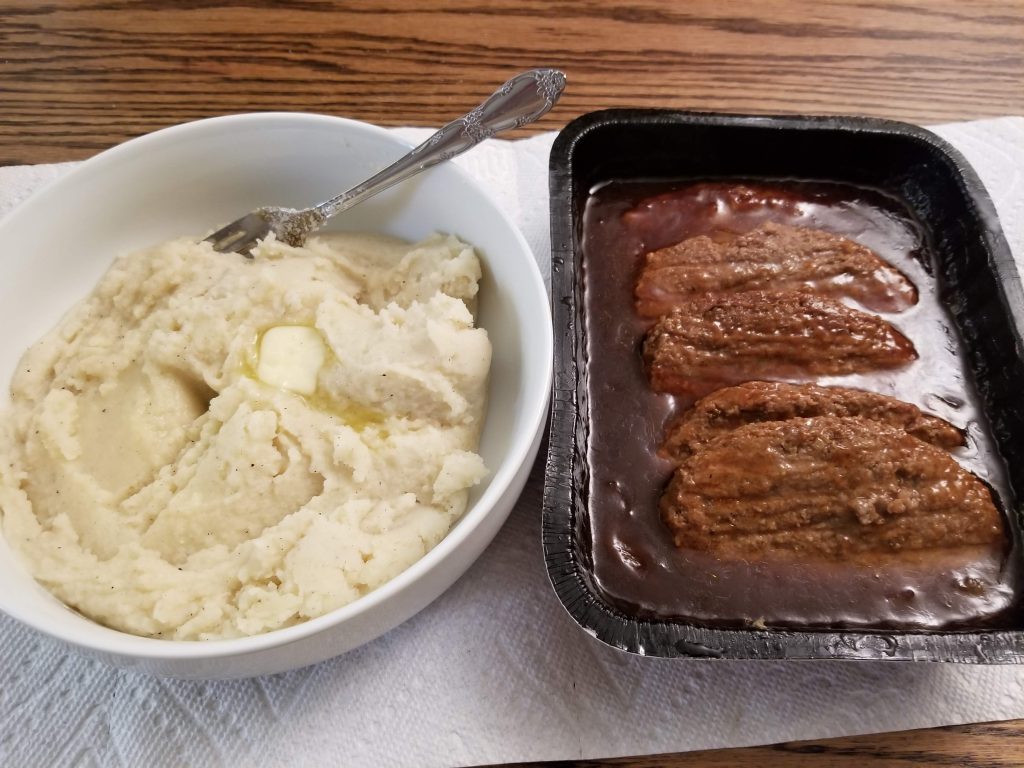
x=992 y=745
x=79 y=76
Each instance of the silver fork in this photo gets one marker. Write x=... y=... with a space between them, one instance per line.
x=518 y=102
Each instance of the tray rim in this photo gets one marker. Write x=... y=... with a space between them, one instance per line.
x=675 y=638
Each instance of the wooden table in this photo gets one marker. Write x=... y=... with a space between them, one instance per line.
x=77 y=77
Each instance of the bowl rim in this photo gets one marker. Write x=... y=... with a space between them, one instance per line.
x=535 y=408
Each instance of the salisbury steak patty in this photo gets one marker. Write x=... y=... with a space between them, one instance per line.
x=827 y=487
x=712 y=341
x=756 y=401
x=771 y=257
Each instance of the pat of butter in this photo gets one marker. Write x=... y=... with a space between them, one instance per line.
x=290 y=357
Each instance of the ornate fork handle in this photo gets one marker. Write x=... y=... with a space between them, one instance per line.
x=521 y=100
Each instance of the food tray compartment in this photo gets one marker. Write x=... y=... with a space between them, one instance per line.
x=977 y=282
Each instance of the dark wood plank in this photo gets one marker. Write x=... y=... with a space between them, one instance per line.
x=988 y=745
x=77 y=77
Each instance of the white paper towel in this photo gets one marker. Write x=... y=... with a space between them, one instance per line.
x=495 y=670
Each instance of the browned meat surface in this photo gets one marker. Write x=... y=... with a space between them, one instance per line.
x=713 y=341
x=771 y=257
x=756 y=401
x=826 y=487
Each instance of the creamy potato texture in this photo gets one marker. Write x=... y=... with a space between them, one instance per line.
x=212 y=447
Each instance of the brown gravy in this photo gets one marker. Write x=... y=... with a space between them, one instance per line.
x=634 y=562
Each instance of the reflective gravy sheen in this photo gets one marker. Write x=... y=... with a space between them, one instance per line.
x=635 y=563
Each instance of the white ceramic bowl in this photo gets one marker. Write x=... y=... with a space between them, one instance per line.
x=189 y=178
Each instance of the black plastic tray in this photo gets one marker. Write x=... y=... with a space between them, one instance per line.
x=980 y=286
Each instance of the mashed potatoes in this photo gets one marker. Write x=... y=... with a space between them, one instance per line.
x=211 y=447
